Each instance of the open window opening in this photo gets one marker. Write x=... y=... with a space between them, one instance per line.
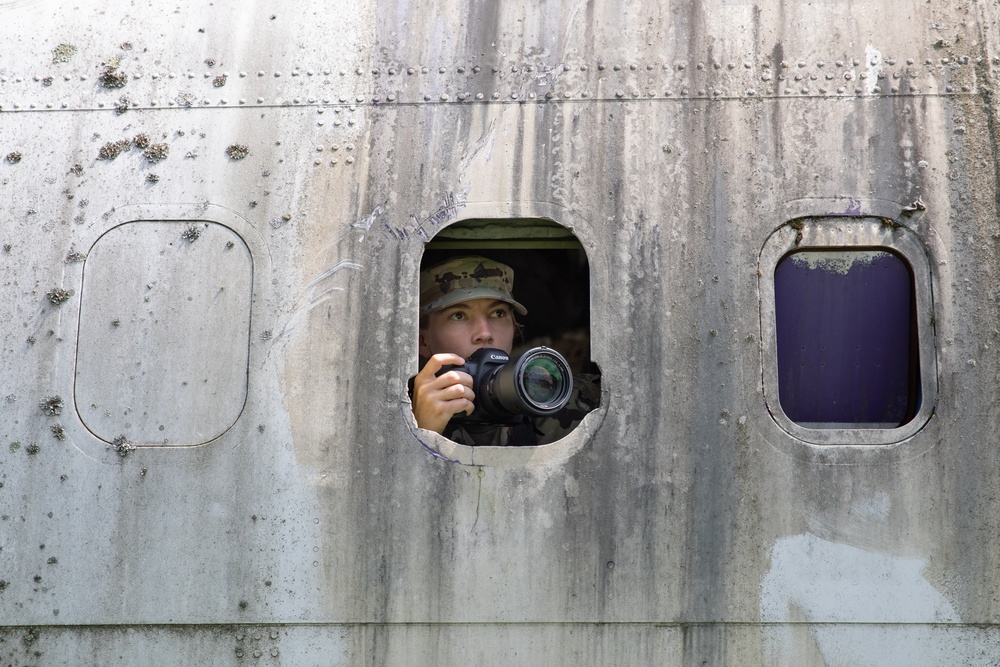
x=846 y=330
x=550 y=306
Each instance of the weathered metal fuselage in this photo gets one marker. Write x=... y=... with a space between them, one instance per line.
x=213 y=216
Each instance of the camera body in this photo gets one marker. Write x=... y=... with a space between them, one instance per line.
x=535 y=384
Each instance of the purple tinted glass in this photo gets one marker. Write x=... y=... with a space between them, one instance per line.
x=846 y=337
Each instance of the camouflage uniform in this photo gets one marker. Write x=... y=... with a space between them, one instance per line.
x=466 y=278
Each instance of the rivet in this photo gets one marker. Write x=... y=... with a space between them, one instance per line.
x=206 y=102
x=700 y=66
x=829 y=76
x=243 y=101
x=223 y=101
x=63 y=105
x=895 y=89
x=153 y=103
x=840 y=90
x=190 y=75
x=496 y=96
x=751 y=92
x=309 y=72
x=360 y=99
x=441 y=70
x=295 y=72
x=170 y=75
x=584 y=94
x=601 y=66
x=170 y=102
x=277 y=74
x=260 y=100
x=208 y=74
x=891 y=61
x=863 y=75
x=822 y=91
x=716 y=65
x=877 y=90
x=260 y=73
x=137 y=75
x=909 y=61
x=632 y=67
x=326 y=71
x=295 y=100
x=392 y=71
x=619 y=93
x=48 y=105
x=100 y=104
x=820 y=63
x=349 y=160
x=311 y=100
x=444 y=97
x=805 y=91
x=391 y=98
x=427 y=98
x=965 y=89
x=424 y=70
x=747 y=66
x=359 y=71
x=376 y=72
x=839 y=63
x=731 y=66
x=856 y=62
x=651 y=93
x=617 y=68
x=583 y=68
x=529 y=68
x=565 y=68
x=479 y=96
x=948 y=89
x=461 y=70
x=513 y=96
x=317 y=162
x=668 y=93
x=410 y=70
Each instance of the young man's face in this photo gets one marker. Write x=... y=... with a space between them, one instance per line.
x=465 y=327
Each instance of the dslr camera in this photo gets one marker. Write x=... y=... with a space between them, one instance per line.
x=538 y=382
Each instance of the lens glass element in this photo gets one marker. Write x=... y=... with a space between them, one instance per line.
x=543 y=379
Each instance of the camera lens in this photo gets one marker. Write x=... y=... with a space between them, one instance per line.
x=543 y=379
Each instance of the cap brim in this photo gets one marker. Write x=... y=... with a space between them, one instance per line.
x=468 y=294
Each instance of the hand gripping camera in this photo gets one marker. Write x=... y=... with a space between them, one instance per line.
x=537 y=383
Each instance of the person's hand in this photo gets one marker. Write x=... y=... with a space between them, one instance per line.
x=437 y=399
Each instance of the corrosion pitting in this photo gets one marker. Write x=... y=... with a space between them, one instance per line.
x=75 y=256
x=14 y=157
x=58 y=295
x=51 y=405
x=113 y=149
x=156 y=153
x=219 y=81
x=76 y=169
x=237 y=151
x=112 y=77
x=141 y=141
x=121 y=106
x=122 y=446
x=58 y=432
x=191 y=234
x=63 y=53
x=152 y=178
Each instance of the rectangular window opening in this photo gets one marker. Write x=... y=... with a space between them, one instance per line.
x=846 y=335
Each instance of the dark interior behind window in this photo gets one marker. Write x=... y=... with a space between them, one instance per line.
x=846 y=338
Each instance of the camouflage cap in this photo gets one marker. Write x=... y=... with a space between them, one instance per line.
x=463 y=279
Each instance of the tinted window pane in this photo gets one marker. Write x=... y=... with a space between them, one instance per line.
x=846 y=338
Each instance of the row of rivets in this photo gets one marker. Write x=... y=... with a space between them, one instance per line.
x=550 y=95
x=476 y=69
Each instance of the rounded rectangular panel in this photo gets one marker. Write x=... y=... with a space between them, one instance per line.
x=162 y=353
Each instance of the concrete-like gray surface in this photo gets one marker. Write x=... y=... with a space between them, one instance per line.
x=290 y=492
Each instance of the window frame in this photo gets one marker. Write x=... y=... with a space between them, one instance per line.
x=840 y=233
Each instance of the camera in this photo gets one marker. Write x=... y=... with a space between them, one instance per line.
x=536 y=383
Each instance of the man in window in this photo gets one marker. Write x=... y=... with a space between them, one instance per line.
x=466 y=303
